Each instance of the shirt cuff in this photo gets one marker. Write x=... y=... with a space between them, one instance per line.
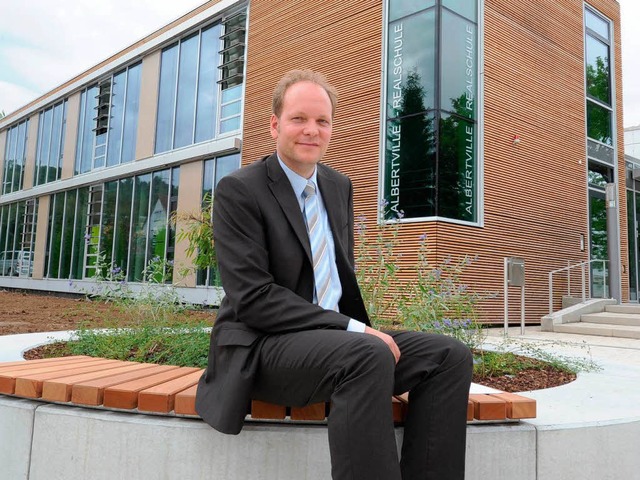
x=355 y=326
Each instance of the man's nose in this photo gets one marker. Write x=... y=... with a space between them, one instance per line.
x=310 y=129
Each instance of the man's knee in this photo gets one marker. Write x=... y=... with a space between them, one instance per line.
x=374 y=354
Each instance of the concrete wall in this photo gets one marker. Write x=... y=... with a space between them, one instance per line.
x=48 y=442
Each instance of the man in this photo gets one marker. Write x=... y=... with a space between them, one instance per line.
x=293 y=329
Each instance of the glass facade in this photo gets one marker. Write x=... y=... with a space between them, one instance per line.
x=600 y=130
x=17 y=238
x=201 y=78
x=108 y=121
x=214 y=170
x=431 y=130
x=51 y=131
x=120 y=225
x=15 y=157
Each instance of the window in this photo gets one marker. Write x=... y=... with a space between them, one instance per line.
x=201 y=78
x=51 y=133
x=14 y=157
x=17 y=238
x=109 y=121
x=430 y=142
x=116 y=227
x=599 y=103
x=214 y=170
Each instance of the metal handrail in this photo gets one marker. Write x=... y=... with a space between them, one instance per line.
x=568 y=269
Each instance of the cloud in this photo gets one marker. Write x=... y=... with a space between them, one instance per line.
x=45 y=43
x=13 y=96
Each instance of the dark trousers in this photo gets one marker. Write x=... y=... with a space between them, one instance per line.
x=357 y=373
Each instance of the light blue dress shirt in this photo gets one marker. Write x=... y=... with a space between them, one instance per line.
x=298 y=183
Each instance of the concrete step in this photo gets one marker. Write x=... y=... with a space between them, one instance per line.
x=628 y=319
x=623 y=308
x=605 y=330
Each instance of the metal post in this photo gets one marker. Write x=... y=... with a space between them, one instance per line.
x=522 y=311
x=568 y=278
x=506 y=298
x=584 y=267
x=613 y=242
x=550 y=293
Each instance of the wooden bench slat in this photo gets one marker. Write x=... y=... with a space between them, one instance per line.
x=185 y=403
x=518 y=407
x=267 y=411
x=30 y=385
x=8 y=377
x=41 y=361
x=315 y=411
x=91 y=392
x=486 y=407
x=125 y=395
x=161 y=398
x=60 y=389
x=470 y=410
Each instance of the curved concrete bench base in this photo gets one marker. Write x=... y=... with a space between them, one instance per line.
x=43 y=441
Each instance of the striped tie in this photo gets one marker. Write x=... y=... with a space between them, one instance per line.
x=319 y=249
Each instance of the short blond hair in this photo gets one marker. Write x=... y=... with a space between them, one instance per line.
x=296 y=76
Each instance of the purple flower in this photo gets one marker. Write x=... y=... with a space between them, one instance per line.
x=423 y=237
x=116 y=270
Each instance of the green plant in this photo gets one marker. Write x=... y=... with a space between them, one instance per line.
x=434 y=300
x=198 y=232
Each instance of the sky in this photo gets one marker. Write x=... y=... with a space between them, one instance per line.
x=44 y=43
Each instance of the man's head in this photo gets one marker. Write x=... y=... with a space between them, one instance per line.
x=302 y=119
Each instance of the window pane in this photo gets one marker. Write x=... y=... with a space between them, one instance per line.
x=207 y=84
x=20 y=156
x=173 y=207
x=599 y=123
x=67 y=234
x=230 y=125
x=597 y=64
x=411 y=65
x=158 y=217
x=79 y=231
x=43 y=161
x=457 y=176
x=186 y=92
x=226 y=165
x=167 y=99
x=137 y=260
x=410 y=166
x=207 y=181
x=466 y=8
x=132 y=108
x=116 y=121
x=123 y=224
x=596 y=23
x=56 y=235
x=108 y=220
x=402 y=8
x=458 y=65
x=599 y=175
x=231 y=94
x=56 y=137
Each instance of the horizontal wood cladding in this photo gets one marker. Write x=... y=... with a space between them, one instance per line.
x=535 y=193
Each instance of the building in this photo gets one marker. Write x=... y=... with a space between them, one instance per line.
x=494 y=126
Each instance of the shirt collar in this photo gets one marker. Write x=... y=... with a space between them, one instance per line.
x=298 y=182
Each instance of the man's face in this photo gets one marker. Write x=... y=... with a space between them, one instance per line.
x=303 y=129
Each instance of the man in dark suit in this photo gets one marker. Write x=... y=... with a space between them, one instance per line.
x=292 y=328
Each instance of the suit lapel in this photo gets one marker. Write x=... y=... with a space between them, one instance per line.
x=282 y=191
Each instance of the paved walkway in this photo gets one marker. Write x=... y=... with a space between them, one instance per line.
x=608 y=395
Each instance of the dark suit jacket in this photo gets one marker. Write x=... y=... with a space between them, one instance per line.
x=264 y=259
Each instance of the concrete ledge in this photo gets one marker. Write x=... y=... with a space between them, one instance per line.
x=573 y=313
x=16 y=432
x=76 y=443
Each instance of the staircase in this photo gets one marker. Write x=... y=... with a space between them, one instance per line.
x=621 y=321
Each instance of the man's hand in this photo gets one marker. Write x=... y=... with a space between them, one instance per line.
x=388 y=339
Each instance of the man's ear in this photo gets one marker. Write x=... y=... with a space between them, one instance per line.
x=274 y=126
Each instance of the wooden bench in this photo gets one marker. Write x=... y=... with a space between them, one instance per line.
x=166 y=389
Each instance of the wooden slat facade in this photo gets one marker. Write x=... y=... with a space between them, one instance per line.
x=535 y=193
